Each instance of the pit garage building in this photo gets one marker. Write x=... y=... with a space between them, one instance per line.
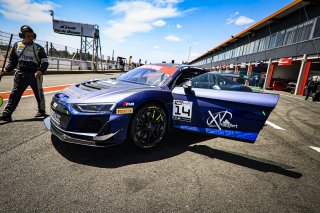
x=284 y=45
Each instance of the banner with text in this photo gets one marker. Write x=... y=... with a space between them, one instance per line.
x=73 y=28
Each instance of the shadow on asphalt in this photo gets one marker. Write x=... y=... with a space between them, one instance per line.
x=248 y=161
x=177 y=143
x=127 y=154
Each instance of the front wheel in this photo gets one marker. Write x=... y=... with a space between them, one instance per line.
x=149 y=126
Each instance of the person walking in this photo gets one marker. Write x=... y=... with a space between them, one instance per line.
x=312 y=86
x=32 y=63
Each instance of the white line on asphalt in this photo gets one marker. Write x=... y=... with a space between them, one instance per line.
x=315 y=148
x=290 y=96
x=274 y=125
x=33 y=94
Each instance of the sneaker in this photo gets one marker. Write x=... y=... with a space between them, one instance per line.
x=5 y=118
x=40 y=114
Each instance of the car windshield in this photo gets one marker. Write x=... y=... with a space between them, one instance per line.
x=145 y=75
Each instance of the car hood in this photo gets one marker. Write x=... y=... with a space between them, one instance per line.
x=101 y=90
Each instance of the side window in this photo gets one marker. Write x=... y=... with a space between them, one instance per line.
x=212 y=81
x=187 y=75
x=201 y=81
x=222 y=80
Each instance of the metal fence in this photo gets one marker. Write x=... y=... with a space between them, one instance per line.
x=64 y=64
x=60 y=57
x=52 y=49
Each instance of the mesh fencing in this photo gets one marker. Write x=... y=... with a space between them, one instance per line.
x=60 y=57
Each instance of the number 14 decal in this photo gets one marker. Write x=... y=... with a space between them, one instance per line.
x=182 y=110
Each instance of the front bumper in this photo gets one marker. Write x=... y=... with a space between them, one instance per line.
x=88 y=139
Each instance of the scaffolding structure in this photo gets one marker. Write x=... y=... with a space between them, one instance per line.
x=89 y=39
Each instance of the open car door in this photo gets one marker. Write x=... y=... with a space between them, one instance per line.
x=221 y=108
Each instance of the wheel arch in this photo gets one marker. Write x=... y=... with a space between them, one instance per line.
x=150 y=101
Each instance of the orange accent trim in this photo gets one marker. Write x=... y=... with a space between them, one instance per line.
x=250 y=70
x=305 y=77
x=5 y=95
x=250 y=28
x=270 y=75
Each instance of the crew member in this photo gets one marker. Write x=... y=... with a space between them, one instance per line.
x=310 y=87
x=32 y=62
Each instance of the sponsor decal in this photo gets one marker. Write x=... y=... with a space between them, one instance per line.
x=124 y=110
x=126 y=104
x=1 y=101
x=26 y=57
x=169 y=70
x=182 y=110
x=20 y=46
x=54 y=105
x=220 y=119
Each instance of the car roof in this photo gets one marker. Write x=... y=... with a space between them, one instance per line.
x=175 y=65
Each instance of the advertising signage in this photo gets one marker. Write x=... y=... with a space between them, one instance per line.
x=73 y=28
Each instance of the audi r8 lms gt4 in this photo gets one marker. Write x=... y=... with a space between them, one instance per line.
x=142 y=104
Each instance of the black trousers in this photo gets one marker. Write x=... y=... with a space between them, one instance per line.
x=21 y=81
x=308 y=93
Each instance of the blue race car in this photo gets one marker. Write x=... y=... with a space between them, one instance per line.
x=142 y=104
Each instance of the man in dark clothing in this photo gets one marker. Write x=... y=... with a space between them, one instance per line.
x=312 y=86
x=32 y=63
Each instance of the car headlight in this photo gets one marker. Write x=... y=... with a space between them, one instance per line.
x=95 y=108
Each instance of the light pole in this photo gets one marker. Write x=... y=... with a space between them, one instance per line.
x=189 y=53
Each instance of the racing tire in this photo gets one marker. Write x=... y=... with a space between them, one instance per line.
x=149 y=126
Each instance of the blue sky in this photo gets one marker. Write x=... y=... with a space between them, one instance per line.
x=157 y=30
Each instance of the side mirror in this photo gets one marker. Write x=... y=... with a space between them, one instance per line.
x=187 y=85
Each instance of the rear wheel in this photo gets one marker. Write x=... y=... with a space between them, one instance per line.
x=149 y=126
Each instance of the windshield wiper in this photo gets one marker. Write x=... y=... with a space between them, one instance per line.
x=134 y=82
